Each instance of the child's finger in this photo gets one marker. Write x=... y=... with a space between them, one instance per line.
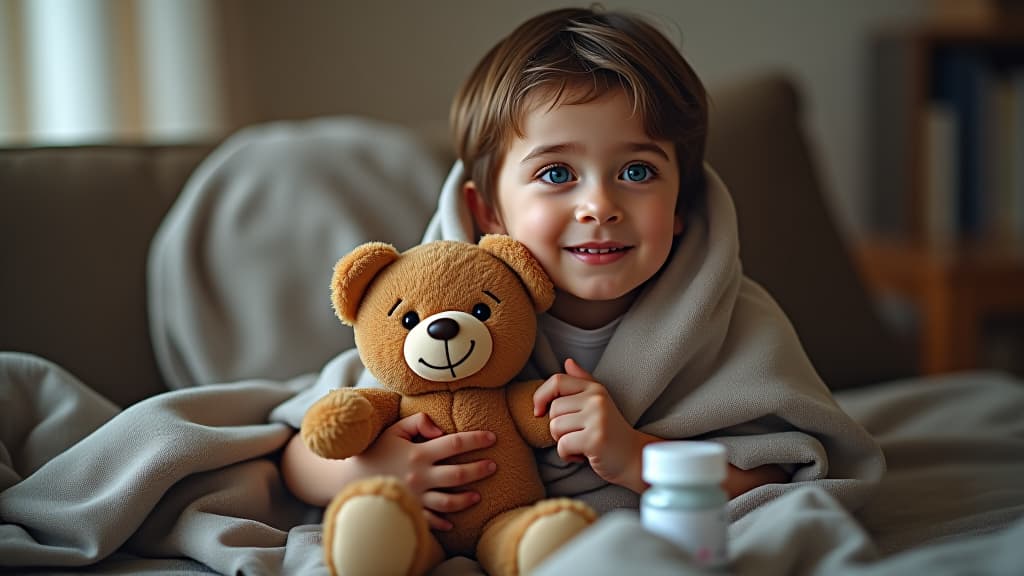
x=565 y=405
x=454 y=475
x=447 y=503
x=456 y=443
x=562 y=425
x=419 y=424
x=570 y=447
x=553 y=387
x=436 y=522
x=575 y=370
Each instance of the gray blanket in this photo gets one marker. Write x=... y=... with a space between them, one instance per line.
x=952 y=501
x=187 y=481
x=178 y=477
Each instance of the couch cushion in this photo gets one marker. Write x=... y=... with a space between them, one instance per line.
x=75 y=225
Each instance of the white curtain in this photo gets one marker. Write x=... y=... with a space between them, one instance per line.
x=102 y=71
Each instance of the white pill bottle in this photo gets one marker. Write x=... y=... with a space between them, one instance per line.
x=686 y=503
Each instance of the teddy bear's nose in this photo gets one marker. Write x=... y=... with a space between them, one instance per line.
x=443 y=329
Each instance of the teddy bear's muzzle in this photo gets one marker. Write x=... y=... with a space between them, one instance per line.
x=448 y=346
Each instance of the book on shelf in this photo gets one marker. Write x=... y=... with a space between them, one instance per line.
x=1015 y=155
x=973 y=148
x=999 y=162
x=940 y=177
x=961 y=79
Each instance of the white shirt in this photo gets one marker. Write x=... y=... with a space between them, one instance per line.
x=583 y=346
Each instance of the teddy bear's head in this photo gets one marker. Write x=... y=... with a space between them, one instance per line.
x=443 y=315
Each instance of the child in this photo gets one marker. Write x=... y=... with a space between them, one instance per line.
x=582 y=135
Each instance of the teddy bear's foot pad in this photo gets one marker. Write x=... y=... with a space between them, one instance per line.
x=376 y=526
x=372 y=535
x=547 y=533
x=518 y=540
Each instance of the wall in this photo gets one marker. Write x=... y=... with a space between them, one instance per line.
x=403 y=60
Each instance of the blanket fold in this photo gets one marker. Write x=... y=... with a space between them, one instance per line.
x=87 y=501
x=46 y=410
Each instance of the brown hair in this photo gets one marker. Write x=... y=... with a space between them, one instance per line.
x=562 y=51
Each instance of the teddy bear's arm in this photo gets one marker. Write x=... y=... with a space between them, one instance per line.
x=345 y=421
x=535 y=430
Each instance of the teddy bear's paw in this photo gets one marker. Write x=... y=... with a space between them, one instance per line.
x=554 y=523
x=375 y=526
x=338 y=425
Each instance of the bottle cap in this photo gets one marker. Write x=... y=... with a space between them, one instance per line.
x=684 y=462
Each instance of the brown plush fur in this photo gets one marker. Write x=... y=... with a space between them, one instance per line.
x=373 y=289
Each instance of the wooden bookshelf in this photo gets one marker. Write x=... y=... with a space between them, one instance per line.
x=948 y=179
x=954 y=288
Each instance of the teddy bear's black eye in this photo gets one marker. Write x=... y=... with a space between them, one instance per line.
x=410 y=320
x=482 y=311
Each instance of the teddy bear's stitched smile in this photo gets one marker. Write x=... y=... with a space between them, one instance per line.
x=447 y=354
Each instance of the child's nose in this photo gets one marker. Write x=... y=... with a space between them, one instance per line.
x=598 y=206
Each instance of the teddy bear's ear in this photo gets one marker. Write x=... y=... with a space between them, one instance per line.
x=353 y=273
x=519 y=259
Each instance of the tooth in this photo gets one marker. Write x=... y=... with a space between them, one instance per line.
x=583 y=250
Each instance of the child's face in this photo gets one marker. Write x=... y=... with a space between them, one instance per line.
x=591 y=196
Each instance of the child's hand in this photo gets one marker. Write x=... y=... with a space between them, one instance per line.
x=586 y=424
x=397 y=453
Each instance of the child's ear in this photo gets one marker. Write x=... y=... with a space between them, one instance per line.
x=484 y=215
x=678 y=225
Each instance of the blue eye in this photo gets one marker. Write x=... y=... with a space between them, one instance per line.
x=637 y=173
x=556 y=175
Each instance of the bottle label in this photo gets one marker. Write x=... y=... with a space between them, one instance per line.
x=701 y=533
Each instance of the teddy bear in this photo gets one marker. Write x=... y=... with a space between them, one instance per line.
x=445 y=328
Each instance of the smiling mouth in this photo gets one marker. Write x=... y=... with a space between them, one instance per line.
x=578 y=250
